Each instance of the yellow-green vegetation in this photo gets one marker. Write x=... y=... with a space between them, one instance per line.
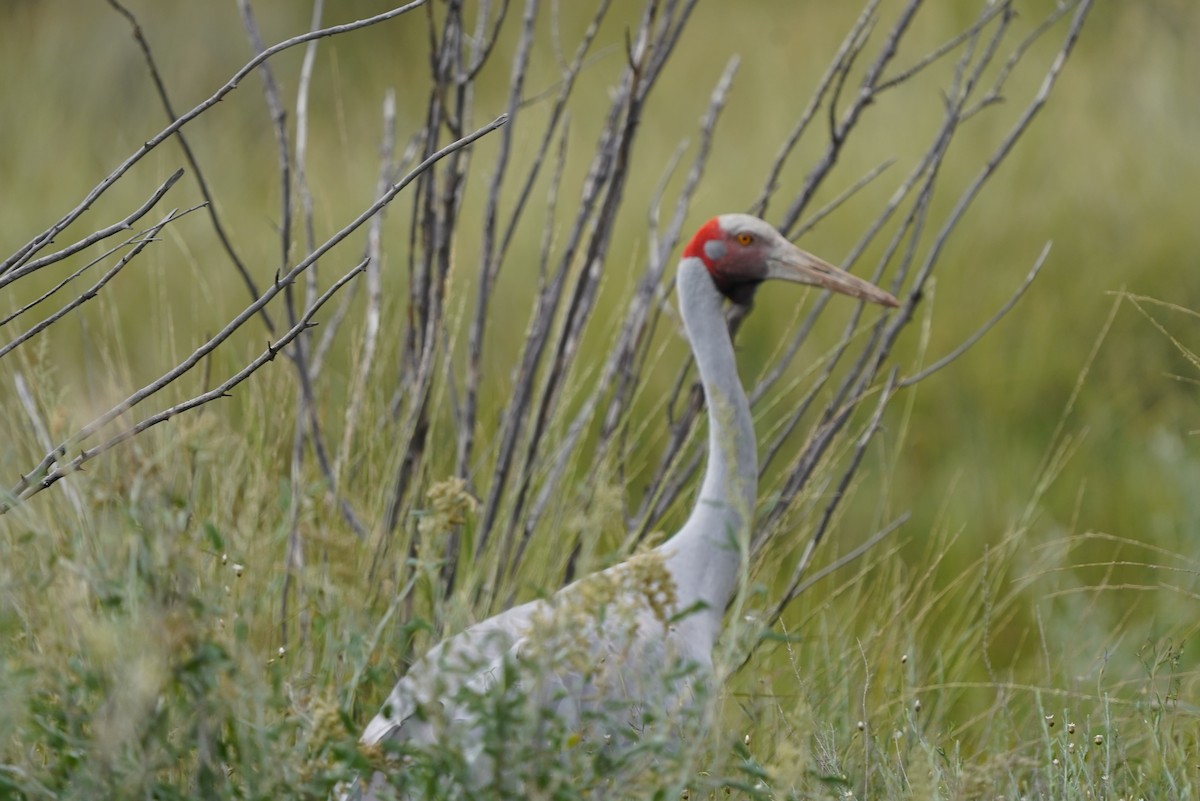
x=194 y=616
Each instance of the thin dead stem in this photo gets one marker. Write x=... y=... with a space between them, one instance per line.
x=540 y=434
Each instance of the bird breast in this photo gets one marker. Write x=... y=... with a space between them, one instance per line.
x=597 y=663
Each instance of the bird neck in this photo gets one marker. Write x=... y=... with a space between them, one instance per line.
x=705 y=556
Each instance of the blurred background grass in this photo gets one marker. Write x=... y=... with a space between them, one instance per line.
x=1110 y=172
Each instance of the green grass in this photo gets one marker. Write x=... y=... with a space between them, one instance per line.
x=1029 y=633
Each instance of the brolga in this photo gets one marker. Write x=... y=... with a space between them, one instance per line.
x=661 y=608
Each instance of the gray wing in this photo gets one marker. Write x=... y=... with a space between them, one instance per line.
x=596 y=656
x=469 y=660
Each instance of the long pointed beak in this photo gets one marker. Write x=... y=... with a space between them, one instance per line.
x=790 y=263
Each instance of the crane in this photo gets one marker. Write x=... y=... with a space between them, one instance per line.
x=661 y=608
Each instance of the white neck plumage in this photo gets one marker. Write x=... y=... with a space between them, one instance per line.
x=705 y=555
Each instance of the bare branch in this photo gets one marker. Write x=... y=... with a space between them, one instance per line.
x=994 y=10
x=851 y=43
x=25 y=395
x=233 y=325
x=63 y=469
x=835 y=499
x=633 y=332
x=371 y=322
x=91 y=239
x=54 y=289
x=801 y=585
x=95 y=288
x=970 y=341
x=489 y=262
x=46 y=237
x=850 y=117
x=847 y=193
x=161 y=88
x=279 y=125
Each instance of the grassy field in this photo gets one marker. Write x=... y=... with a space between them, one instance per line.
x=1028 y=632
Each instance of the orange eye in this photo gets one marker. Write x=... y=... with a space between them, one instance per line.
x=745 y=239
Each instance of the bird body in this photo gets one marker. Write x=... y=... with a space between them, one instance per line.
x=633 y=624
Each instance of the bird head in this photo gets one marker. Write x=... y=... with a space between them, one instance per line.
x=741 y=251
